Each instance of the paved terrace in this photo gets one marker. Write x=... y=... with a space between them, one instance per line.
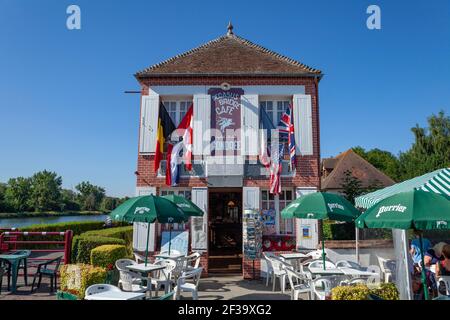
x=212 y=288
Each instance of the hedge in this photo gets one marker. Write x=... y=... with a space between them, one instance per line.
x=82 y=246
x=124 y=233
x=78 y=227
x=386 y=291
x=105 y=256
x=75 y=279
x=338 y=231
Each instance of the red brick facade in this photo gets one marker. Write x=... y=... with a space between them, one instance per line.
x=308 y=167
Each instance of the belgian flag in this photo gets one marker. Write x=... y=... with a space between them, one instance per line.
x=165 y=128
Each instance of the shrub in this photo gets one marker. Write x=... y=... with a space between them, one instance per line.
x=76 y=278
x=386 y=291
x=338 y=231
x=83 y=245
x=106 y=255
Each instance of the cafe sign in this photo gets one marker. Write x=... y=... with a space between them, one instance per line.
x=225 y=120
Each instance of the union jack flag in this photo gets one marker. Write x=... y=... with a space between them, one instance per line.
x=286 y=129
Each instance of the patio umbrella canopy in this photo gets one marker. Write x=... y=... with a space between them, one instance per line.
x=417 y=209
x=188 y=207
x=320 y=206
x=149 y=209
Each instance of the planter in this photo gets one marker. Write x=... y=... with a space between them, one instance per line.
x=64 y=295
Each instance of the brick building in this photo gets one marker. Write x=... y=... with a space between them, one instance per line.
x=257 y=78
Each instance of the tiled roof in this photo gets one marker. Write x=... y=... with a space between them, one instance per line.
x=229 y=55
x=360 y=168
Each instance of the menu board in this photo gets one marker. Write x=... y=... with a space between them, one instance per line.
x=179 y=240
x=268 y=218
x=252 y=234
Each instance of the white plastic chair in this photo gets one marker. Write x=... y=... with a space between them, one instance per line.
x=192 y=261
x=278 y=272
x=446 y=281
x=388 y=269
x=179 y=268
x=121 y=265
x=322 y=287
x=266 y=256
x=316 y=254
x=299 y=283
x=129 y=282
x=184 y=286
x=98 y=288
x=348 y=264
x=163 y=277
x=139 y=258
x=319 y=264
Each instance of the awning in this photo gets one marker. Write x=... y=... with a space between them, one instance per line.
x=437 y=181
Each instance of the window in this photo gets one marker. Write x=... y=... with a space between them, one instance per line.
x=177 y=110
x=278 y=203
x=274 y=109
x=180 y=192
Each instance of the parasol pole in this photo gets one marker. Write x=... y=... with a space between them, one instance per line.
x=146 y=247
x=323 y=244
x=424 y=277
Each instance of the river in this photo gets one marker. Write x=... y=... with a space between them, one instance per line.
x=23 y=222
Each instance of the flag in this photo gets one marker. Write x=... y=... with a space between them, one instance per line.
x=173 y=163
x=165 y=128
x=286 y=129
x=187 y=124
x=266 y=126
x=277 y=151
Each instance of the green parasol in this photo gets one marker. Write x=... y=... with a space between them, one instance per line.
x=188 y=207
x=320 y=206
x=148 y=209
x=417 y=209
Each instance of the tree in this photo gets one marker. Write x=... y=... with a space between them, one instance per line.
x=108 y=204
x=45 y=191
x=430 y=150
x=351 y=186
x=3 y=206
x=383 y=160
x=90 y=196
x=69 y=201
x=17 y=193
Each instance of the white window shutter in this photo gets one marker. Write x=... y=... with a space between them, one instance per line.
x=311 y=224
x=251 y=198
x=202 y=124
x=250 y=124
x=140 y=229
x=199 y=225
x=149 y=123
x=303 y=124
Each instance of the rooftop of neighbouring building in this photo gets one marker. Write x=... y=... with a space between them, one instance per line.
x=333 y=171
x=229 y=55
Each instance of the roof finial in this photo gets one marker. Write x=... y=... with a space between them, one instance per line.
x=230 y=29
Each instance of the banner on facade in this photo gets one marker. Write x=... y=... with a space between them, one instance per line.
x=225 y=120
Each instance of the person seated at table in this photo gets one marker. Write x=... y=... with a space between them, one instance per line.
x=443 y=266
x=433 y=255
x=415 y=247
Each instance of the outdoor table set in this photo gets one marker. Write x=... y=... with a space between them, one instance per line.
x=147 y=270
x=14 y=259
x=116 y=295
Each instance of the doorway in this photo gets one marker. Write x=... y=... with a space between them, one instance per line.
x=225 y=230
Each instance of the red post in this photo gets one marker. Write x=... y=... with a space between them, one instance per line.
x=67 y=246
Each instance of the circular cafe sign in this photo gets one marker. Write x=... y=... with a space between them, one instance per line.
x=225 y=86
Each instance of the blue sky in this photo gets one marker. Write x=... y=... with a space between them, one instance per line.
x=62 y=105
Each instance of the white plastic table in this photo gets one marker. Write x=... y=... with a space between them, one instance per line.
x=329 y=271
x=290 y=256
x=146 y=270
x=357 y=273
x=116 y=295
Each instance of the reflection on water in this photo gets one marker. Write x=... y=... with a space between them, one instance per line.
x=23 y=222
